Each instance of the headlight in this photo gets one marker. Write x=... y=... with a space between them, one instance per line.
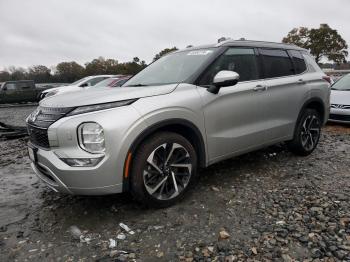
x=91 y=108
x=91 y=137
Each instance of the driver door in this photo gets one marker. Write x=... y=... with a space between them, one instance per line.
x=234 y=118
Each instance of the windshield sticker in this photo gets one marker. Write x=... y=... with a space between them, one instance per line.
x=200 y=52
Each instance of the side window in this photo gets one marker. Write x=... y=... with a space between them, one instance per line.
x=299 y=62
x=94 y=81
x=241 y=60
x=276 y=63
x=10 y=86
x=23 y=85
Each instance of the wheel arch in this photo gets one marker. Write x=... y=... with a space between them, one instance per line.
x=312 y=103
x=317 y=104
x=177 y=125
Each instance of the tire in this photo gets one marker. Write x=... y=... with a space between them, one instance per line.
x=307 y=133
x=160 y=162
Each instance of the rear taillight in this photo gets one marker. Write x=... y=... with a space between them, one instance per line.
x=328 y=79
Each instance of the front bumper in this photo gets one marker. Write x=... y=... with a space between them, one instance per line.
x=339 y=115
x=104 y=178
x=72 y=180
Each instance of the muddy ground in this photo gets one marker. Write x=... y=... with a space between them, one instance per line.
x=264 y=206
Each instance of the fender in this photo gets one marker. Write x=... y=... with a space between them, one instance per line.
x=200 y=145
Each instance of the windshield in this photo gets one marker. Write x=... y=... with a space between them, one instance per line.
x=173 y=68
x=106 y=82
x=79 y=81
x=342 y=84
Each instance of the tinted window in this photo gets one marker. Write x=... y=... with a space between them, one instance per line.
x=298 y=60
x=240 y=60
x=276 y=63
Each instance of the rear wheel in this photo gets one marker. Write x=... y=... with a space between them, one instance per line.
x=164 y=168
x=307 y=133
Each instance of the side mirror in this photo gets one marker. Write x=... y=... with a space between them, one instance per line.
x=223 y=78
x=84 y=85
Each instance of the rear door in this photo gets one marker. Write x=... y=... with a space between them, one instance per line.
x=286 y=91
x=233 y=117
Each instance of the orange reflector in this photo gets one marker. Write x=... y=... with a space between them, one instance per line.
x=127 y=165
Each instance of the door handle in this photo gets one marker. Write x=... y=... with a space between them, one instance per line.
x=301 y=82
x=260 y=88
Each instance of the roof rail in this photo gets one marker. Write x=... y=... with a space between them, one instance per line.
x=227 y=41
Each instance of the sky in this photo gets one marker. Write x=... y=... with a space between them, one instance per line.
x=47 y=32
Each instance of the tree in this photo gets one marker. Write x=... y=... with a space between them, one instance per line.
x=4 y=76
x=323 y=42
x=39 y=73
x=17 y=73
x=164 y=52
x=100 y=66
x=68 y=72
x=131 y=68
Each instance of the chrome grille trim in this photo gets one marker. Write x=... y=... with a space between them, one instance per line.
x=339 y=106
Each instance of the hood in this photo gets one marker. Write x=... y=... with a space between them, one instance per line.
x=105 y=95
x=340 y=97
x=62 y=89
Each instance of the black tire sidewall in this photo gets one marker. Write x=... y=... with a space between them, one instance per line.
x=296 y=144
x=138 y=188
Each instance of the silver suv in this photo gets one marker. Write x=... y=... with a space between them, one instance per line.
x=189 y=109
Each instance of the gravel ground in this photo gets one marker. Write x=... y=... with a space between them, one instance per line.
x=15 y=115
x=264 y=206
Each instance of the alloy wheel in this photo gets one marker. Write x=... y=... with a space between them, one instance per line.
x=310 y=132
x=167 y=171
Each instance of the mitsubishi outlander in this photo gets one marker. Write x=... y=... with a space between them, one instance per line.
x=189 y=109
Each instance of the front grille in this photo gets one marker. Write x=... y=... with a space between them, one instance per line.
x=339 y=106
x=339 y=117
x=38 y=136
x=40 y=120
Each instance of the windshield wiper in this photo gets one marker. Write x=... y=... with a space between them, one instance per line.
x=136 y=85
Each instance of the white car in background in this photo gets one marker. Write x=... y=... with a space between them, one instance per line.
x=81 y=84
x=340 y=101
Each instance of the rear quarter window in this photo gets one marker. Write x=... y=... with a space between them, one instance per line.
x=311 y=63
x=276 y=63
x=298 y=60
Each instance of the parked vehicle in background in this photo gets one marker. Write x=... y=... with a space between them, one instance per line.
x=85 y=82
x=19 y=92
x=189 y=109
x=121 y=81
x=50 y=85
x=113 y=81
x=340 y=100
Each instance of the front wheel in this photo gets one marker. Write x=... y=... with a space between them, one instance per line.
x=163 y=169
x=307 y=133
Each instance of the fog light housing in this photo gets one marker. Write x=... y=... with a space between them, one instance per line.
x=82 y=162
x=91 y=137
